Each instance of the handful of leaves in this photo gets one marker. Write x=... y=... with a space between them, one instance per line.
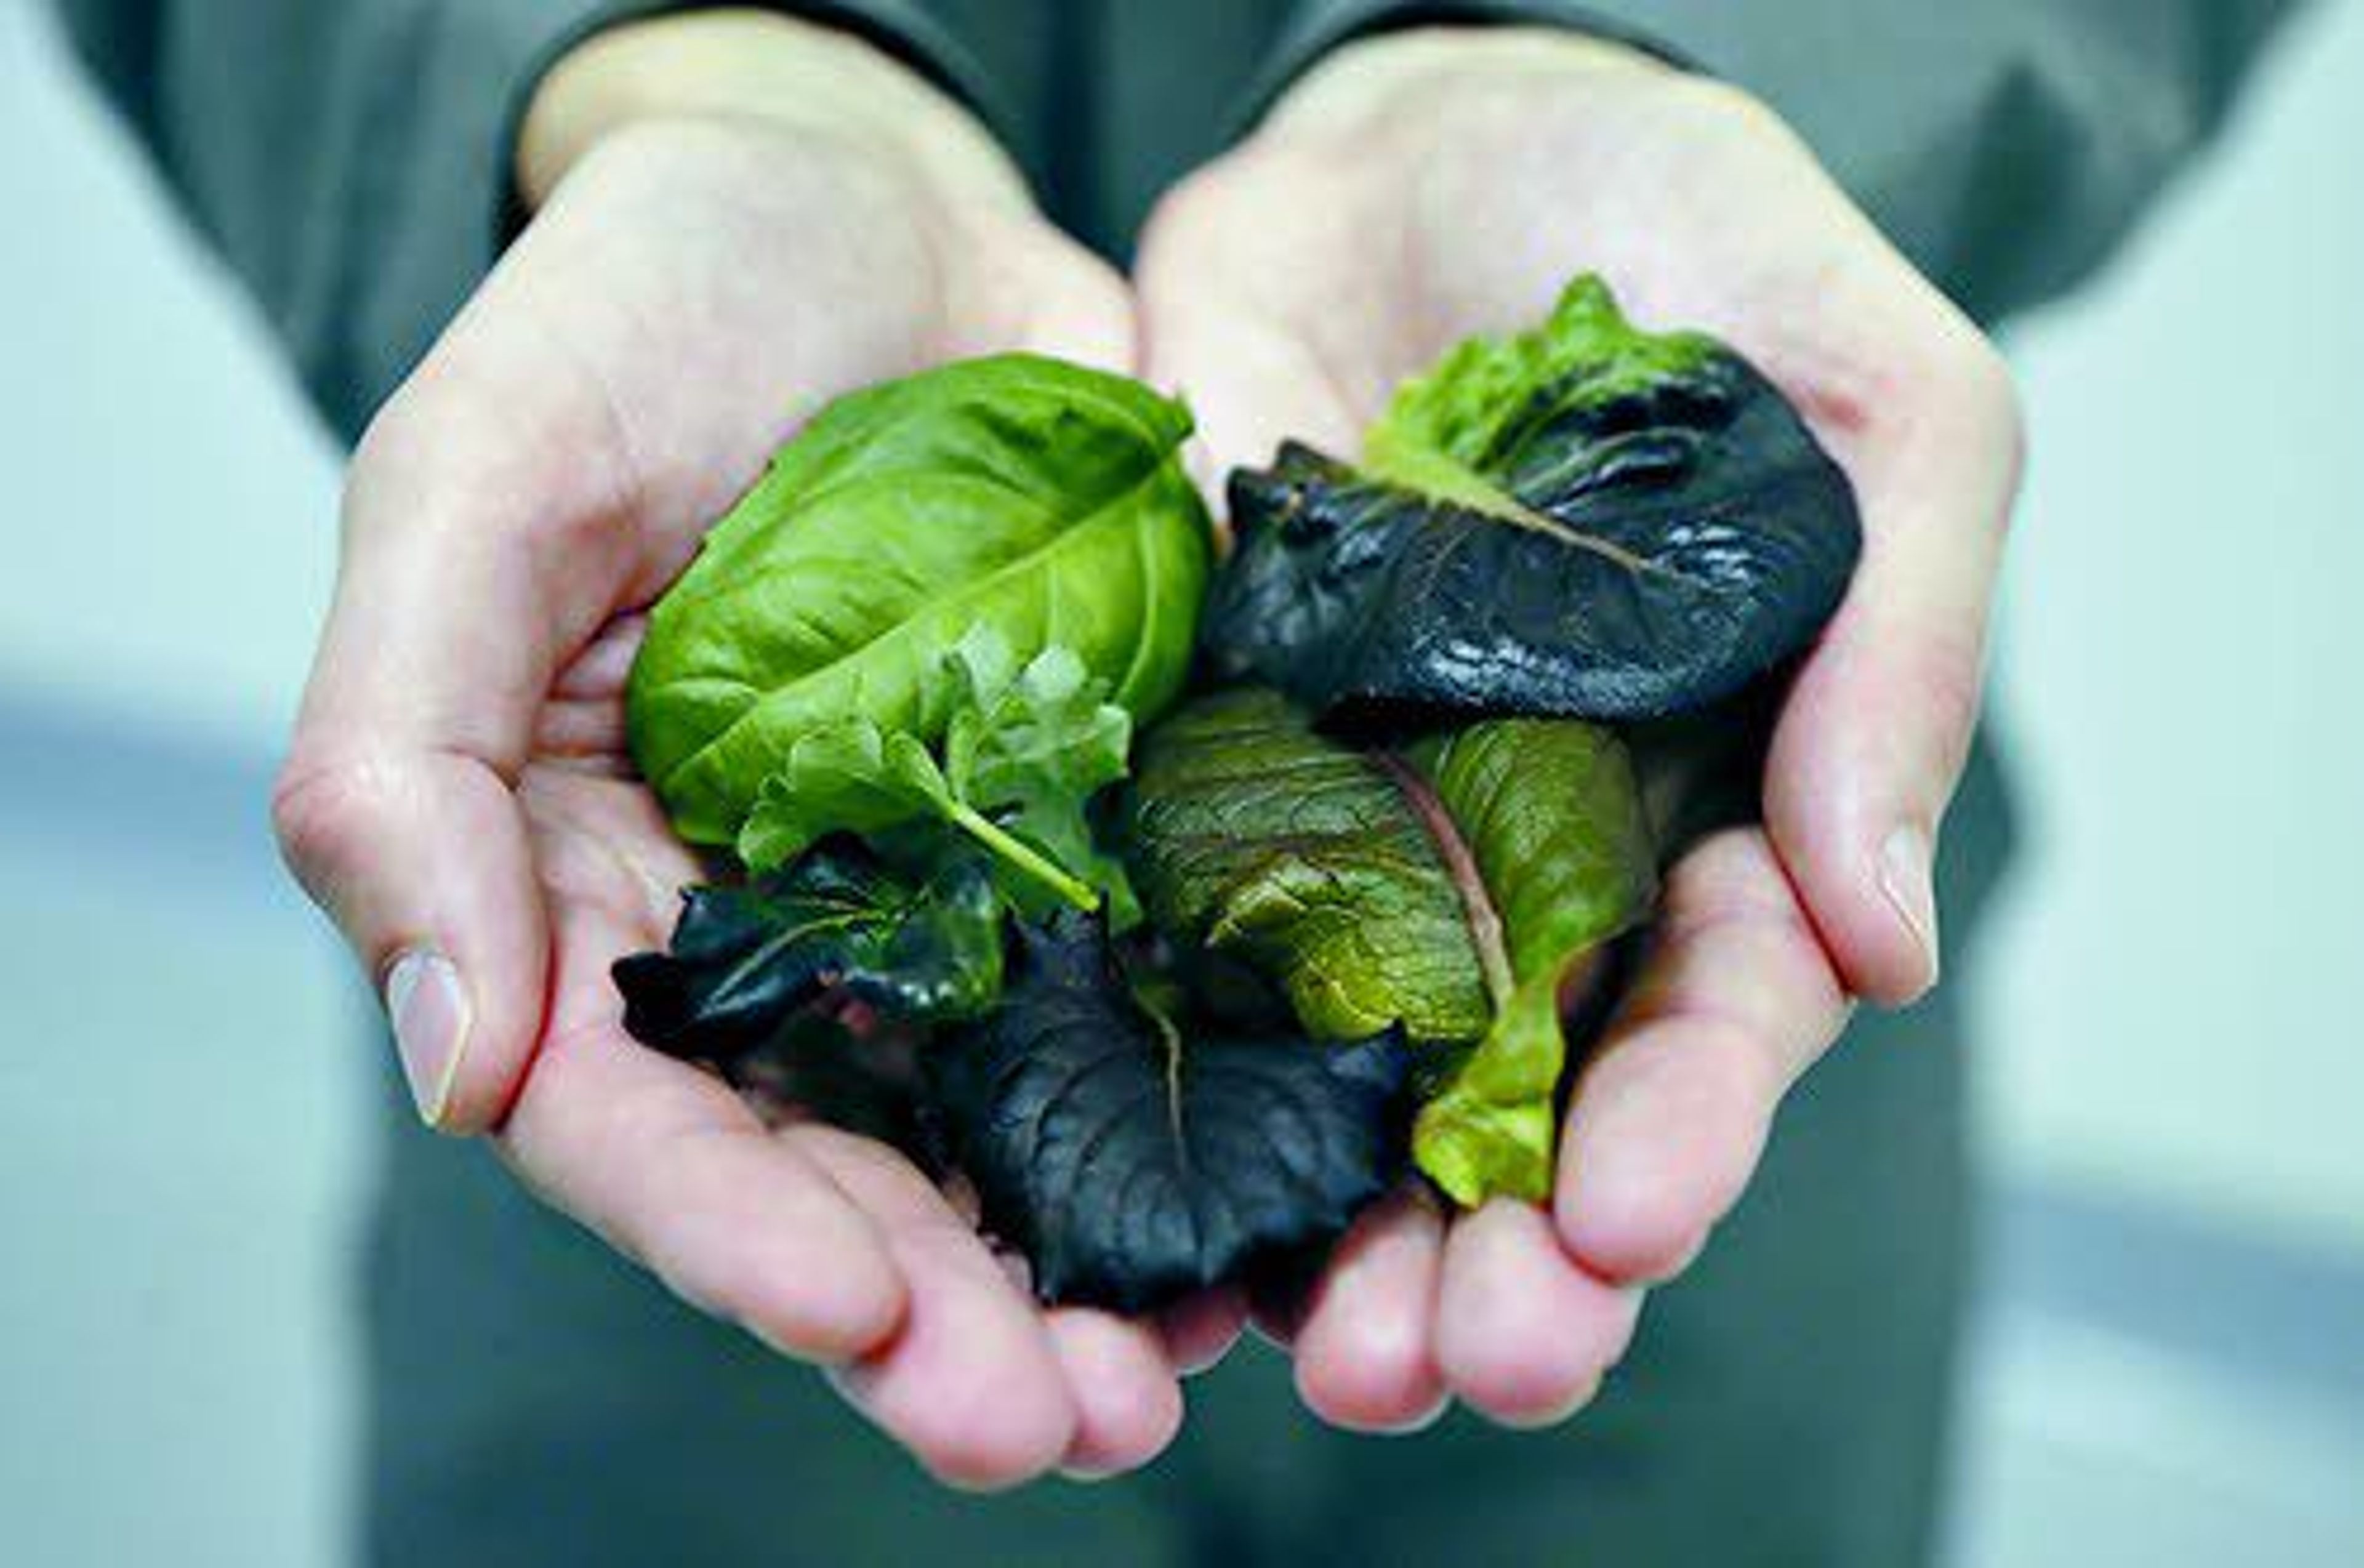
x=1188 y=989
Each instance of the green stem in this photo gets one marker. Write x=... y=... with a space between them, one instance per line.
x=1025 y=856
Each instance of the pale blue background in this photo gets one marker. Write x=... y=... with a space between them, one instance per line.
x=2170 y=1363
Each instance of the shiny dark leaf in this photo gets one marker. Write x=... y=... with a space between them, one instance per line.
x=1131 y=1164
x=745 y=960
x=1585 y=520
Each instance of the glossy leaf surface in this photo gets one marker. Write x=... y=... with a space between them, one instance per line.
x=744 y=961
x=1584 y=520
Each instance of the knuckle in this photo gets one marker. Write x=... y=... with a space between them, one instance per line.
x=325 y=813
x=1947 y=687
x=1189 y=208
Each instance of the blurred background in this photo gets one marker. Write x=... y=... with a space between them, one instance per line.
x=2167 y=1364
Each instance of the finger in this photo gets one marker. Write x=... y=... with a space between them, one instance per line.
x=1199 y=1332
x=1364 y=1352
x=1128 y=1404
x=1252 y=382
x=1222 y=324
x=474 y=565
x=1875 y=731
x=665 y=1164
x=971 y=1382
x=1524 y=1334
x=1034 y=290
x=1667 y=1122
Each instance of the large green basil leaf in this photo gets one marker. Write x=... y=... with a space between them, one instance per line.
x=1452 y=887
x=1131 y=1164
x=1040 y=498
x=744 y=960
x=1584 y=520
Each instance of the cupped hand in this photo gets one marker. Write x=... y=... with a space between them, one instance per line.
x=719 y=251
x=1426 y=185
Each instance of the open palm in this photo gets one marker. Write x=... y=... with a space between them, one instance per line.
x=1425 y=186
x=459 y=798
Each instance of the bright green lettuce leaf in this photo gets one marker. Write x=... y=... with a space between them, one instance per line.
x=1036 y=748
x=1025 y=749
x=1553 y=820
x=1460 y=430
x=1036 y=497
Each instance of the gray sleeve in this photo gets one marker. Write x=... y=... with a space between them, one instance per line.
x=2005 y=145
x=350 y=159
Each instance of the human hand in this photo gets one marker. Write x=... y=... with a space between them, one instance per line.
x=740 y=218
x=1424 y=185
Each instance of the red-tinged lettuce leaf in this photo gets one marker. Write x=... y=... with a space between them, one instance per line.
x=1263 y=840
x=1585 y=520
x=1456 y=886
x=744 y=961
x=1133 y=1163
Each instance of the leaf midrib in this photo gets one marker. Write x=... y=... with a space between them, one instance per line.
x=1480 y=916
x=1442 y=477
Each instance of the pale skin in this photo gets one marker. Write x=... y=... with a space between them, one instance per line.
x=739 y=216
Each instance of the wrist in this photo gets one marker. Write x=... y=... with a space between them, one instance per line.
x=1364 y=81
x=730 y=64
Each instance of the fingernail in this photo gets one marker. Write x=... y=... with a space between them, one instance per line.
x=1904 y=879
x=430 y=1015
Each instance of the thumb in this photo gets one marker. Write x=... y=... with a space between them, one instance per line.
x=1875 y=733
x=396 y=808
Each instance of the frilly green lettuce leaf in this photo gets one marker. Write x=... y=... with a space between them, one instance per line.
x=1025 y=749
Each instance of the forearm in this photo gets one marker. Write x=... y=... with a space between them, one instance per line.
x=735 y=63
x=349 y=158
x=2005 y=147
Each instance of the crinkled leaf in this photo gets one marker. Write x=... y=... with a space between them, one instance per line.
x=847 y=777
x=1584 y=520
x=1025 y=749
x=1133 y=1165
x=1033 y=748
x=1040 y=498
x=745 y=959
x=1454 y=888
x=1263 y=838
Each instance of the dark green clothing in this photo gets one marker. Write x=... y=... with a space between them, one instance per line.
x=535 y=1402
x=344 y=155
